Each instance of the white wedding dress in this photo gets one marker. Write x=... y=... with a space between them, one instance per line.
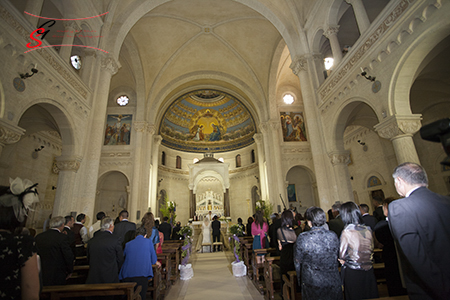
x=206 y=230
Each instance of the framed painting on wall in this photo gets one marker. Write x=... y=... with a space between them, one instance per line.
x=293 y=126
x=292 y=195
x=118 y=130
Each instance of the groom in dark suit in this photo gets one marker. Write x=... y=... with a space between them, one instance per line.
x=121 y=228
x=419 y=225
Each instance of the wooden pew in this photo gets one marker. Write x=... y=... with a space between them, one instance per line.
x=272 y=278
x=79 y=275
x=166 y=270
x=248 y=254
x=56 y=292
x=258 y=268
x=290 y=287
x=154 y=284
x=175 y=250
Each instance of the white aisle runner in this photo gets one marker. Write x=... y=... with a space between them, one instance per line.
x=214 y=280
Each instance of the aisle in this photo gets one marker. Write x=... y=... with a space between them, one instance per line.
x=213 y=279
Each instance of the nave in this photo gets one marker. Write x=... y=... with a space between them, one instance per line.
x=213 y=279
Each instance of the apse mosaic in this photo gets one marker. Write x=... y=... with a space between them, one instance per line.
x=293 y=126
x=207 y=120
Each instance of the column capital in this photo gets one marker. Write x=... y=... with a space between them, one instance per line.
x=264 y=127
x=274 y=125
x=331 y=30
x=398 y=125
x=109 y=64
x=157 y=139
x=299 y=64
x=10 y=134
x=67 y=164
x=258 y=137
x=140 y=126
x=339 y=157
x=71 y=26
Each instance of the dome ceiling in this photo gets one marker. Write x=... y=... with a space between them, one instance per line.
x=207 y=120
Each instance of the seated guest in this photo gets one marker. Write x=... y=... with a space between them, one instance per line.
x=105 y=255
x=248 y=227
x=242 y=226
x=19 y=274
x=315 y=256
x=285 y=242
x=355 y=254
x=139 y=257
x=81 y=235
x=55 y=253
x=391 y=267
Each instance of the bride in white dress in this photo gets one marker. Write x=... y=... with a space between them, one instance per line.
x=206 y=230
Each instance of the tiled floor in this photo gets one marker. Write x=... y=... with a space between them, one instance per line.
x=213 y=279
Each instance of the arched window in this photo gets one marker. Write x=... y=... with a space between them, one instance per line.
x=178 y=162
x=238 y=161
x=163 y=158
x=253 y=156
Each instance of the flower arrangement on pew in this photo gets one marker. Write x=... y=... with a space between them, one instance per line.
x=186 y=271
x=238 y=266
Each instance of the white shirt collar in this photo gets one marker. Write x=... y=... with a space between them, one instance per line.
x=412 y=190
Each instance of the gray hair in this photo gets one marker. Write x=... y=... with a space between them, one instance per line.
x=57 y=222
x=106 y=223
x=411 y=173
x=336 y=206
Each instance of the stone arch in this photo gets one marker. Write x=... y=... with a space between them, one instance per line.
x=351 y=112
x=189 y=82
x=305 y=187
x=62 y=123
x=127 y=19
x=112 y=193
x=409 y=65
x=205 y=174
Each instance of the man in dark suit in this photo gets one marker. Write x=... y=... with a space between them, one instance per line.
x=378 y=208
x=105 y=255
x=420 y=228
x=123 y=226
x=165 y=228
x=369 y=220
x=336 y=224
x=68 y=224
x=55 y=253
x=216 y=232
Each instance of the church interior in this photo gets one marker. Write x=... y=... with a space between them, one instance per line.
x=219 y=105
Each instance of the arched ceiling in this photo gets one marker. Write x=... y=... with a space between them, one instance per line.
x=207 y=120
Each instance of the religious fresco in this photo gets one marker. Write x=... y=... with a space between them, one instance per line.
x=118 y=130
x=207 y=120
x=293 y=126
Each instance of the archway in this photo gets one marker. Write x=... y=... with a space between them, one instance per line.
x=112 y=193
x=300 y=186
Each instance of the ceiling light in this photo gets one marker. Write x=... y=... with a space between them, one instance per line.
x=329 y=61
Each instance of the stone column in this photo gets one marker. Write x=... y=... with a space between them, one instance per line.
x=271 y=166
x=258 y=137
x=88 y=63
x=84 y=197
x=34 y=7
x=192 y=204
x=342 y=187
x=400 y=129
x=226 y=202
x=331 y=35
x=9 y=134
x=154 y=178
x=361 y=15
x=314 y=131
x=140 y=127
x=280 y=189
x=71 y=29
x=66 y=167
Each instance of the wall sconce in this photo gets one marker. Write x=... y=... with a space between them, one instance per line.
x=39 y=149
x=27 y=75
x=364 y=74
